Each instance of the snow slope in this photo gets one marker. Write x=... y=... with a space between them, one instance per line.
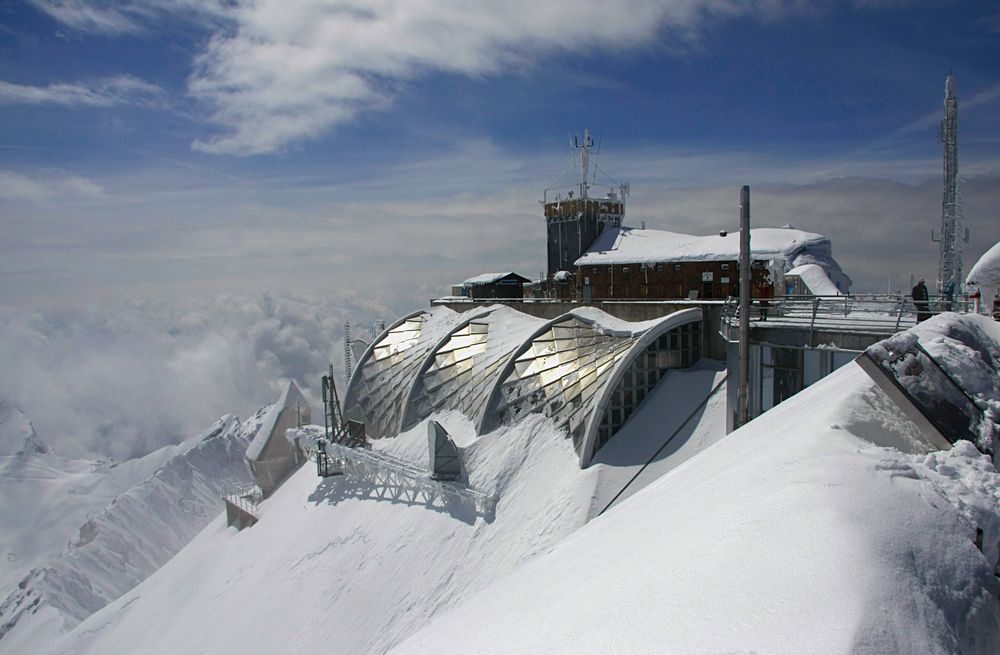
x=663 y=416
x=791 y=535
x=333 y=567
x=801 y=532
x=159 y=502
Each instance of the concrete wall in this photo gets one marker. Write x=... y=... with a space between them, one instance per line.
x=279 y=457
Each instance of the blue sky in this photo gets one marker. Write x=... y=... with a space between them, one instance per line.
x=183 y=148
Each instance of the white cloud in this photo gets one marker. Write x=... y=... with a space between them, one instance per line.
x=41 y=187
x=103 y=92
x=135 y=376
x=280 y=73
x=115 y=17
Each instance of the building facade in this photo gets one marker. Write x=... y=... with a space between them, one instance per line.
x=585 y=369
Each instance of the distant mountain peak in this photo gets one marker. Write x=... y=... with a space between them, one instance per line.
x=17 y=435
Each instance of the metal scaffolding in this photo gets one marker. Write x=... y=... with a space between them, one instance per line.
x=397 y=479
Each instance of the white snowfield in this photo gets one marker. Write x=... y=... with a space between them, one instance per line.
x=794 y=534
x=87 y=532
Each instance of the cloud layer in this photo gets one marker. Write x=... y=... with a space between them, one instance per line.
x=124 y=381
x=15 y=186
x=103 y=92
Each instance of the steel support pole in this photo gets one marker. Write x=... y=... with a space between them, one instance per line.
x=744 y=397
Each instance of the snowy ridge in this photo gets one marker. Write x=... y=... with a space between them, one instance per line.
x=17 y=435
x=130 y=539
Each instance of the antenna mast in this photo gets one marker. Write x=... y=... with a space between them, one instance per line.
x=952 y=237
x=588 y=143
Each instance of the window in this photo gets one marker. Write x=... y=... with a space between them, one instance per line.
x=780 y=375
x=678 y=348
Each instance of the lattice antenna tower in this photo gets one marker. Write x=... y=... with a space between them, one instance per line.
x=584 y=148
x=953 y=233
x=348 y=355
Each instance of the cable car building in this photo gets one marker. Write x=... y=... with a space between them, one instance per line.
x=585 y=369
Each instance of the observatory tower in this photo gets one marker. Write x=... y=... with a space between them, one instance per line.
x=573 y=218
x=952 y=232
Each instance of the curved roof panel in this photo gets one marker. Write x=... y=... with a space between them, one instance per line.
x=384 y=375
x=460 y=372
x=559 y=371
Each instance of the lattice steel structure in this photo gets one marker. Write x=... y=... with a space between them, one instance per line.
x=952 y=231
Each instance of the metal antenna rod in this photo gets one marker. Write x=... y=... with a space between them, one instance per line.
x=744 y=397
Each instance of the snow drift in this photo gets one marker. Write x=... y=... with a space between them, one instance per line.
x=791 y=535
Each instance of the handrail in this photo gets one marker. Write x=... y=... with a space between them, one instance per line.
x=865 y=313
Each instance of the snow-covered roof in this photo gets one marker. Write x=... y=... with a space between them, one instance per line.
x=487 y=278
x=625 y=245
x=291 y=395
x=814 y=277
x=986 y=272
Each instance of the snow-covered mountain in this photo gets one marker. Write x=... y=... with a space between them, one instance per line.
x=17 y=435
x=118 y=523
x=828 y=524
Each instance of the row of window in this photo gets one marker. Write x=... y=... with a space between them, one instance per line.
x=678 y=348
x=561 y=373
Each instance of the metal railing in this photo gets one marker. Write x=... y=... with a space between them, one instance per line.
x=396 y=476
x=879 y=314
x=246 y=497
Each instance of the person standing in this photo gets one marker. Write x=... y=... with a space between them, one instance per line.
x=949 y=295
x=920 y=297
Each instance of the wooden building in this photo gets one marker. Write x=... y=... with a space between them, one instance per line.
x=494 y=285
x=626 y=263
x=668 y=279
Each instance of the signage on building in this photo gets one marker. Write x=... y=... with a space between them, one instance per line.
x=707 y=276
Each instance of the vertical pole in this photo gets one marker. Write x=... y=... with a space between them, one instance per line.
x=744 y=399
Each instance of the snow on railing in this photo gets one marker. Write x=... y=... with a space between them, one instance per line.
x=399 y=478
